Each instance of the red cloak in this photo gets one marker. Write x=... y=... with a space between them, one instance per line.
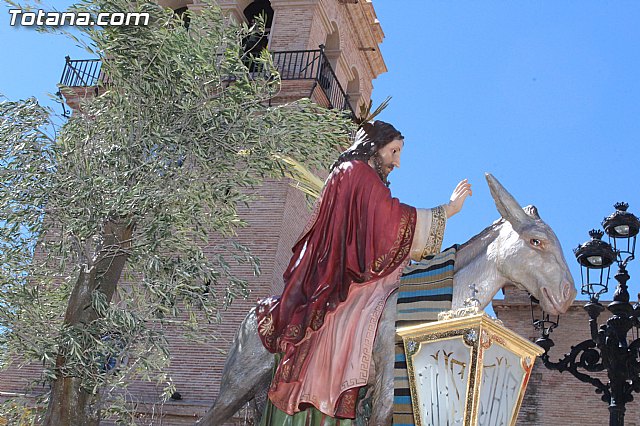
x=358 y=233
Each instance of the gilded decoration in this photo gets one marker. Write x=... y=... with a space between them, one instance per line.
x=303 y=352
x=349 y=401
x=412 y=347
x=471 y=337
x=458 y=313
x=436 y=233
x=286 y=372
x=481 y=385
x=266 y=326
x=485 y=340
x=401 y=246
x=293 y=331
x=317 y=319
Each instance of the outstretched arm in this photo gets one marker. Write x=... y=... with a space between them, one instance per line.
x=430 y=223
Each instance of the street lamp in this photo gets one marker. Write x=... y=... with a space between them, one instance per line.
x=608 y=349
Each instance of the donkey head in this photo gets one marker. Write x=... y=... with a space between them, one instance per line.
x=528 y=253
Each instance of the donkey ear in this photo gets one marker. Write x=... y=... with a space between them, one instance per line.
x=532 y=211
x=508 y=207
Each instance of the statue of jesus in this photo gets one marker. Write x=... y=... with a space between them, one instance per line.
x=344 y=266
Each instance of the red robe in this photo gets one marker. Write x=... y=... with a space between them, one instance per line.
x=358 y=234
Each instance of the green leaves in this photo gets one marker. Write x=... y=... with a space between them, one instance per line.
x=175 y=146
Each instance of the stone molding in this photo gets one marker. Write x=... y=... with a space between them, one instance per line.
x=368 y=35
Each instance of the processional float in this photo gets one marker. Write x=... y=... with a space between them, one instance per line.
x=467 y=369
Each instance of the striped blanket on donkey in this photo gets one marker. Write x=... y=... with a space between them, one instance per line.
x=426 y=289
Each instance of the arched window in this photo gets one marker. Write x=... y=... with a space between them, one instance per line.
x=181 y=12
x=256 y=8
x=255 y=44
x=353 y=90
x=332 y=46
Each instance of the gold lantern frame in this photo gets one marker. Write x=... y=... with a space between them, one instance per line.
x=479 y=332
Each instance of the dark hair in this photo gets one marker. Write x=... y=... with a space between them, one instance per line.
x=370 y=137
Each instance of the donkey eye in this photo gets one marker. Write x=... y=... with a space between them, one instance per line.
x=535 y=242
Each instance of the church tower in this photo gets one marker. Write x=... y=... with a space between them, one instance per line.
x=325 y=50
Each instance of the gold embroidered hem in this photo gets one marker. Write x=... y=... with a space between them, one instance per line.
x=436 y=232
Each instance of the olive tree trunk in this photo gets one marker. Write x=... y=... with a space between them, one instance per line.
x=70 y=404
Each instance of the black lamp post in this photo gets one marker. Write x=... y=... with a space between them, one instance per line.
x=609 y=348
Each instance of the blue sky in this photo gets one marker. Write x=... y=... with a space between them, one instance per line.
x=543 y=94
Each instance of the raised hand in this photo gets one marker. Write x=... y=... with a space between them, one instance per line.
x=460 y=193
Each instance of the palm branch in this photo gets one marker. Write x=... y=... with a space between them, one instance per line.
x=365 y=111
x=303 y=178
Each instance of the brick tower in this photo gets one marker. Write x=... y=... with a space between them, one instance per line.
x=325 y=50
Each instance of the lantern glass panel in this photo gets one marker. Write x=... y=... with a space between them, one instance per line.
x=622 y=230
x=595 y=260
x=446 y=365
x=503 y=377
x=625 y=247
x=595 y=282
x=441 y=373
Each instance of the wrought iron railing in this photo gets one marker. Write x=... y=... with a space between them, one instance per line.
x=338 y=98
x=81 y=72
x=292 y=65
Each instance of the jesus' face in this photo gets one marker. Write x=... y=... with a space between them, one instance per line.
x=387 y=158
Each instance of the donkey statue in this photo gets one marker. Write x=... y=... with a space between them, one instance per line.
x=518 y=249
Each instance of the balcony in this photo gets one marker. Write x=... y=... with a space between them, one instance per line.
x=304 y=73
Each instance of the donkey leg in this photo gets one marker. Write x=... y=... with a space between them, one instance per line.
x=383 y=358
x=247 y=369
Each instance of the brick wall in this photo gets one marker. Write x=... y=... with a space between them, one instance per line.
x=291 y=26
x=275 y=222
x=554 y=398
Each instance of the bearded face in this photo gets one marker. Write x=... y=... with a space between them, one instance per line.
x=387 y=158
x=382 y=169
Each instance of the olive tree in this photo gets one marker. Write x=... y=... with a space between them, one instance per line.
x=139 y=179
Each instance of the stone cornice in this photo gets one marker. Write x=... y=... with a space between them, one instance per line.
x=369 y=34
x=326 y=23
x=175 y=4
x=376 y=28
x=288 y=3
x=504 y=304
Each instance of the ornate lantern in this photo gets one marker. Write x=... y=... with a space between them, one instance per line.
x=595 y=255
x=622 y=228
x=543 y=322
x=467 y=369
